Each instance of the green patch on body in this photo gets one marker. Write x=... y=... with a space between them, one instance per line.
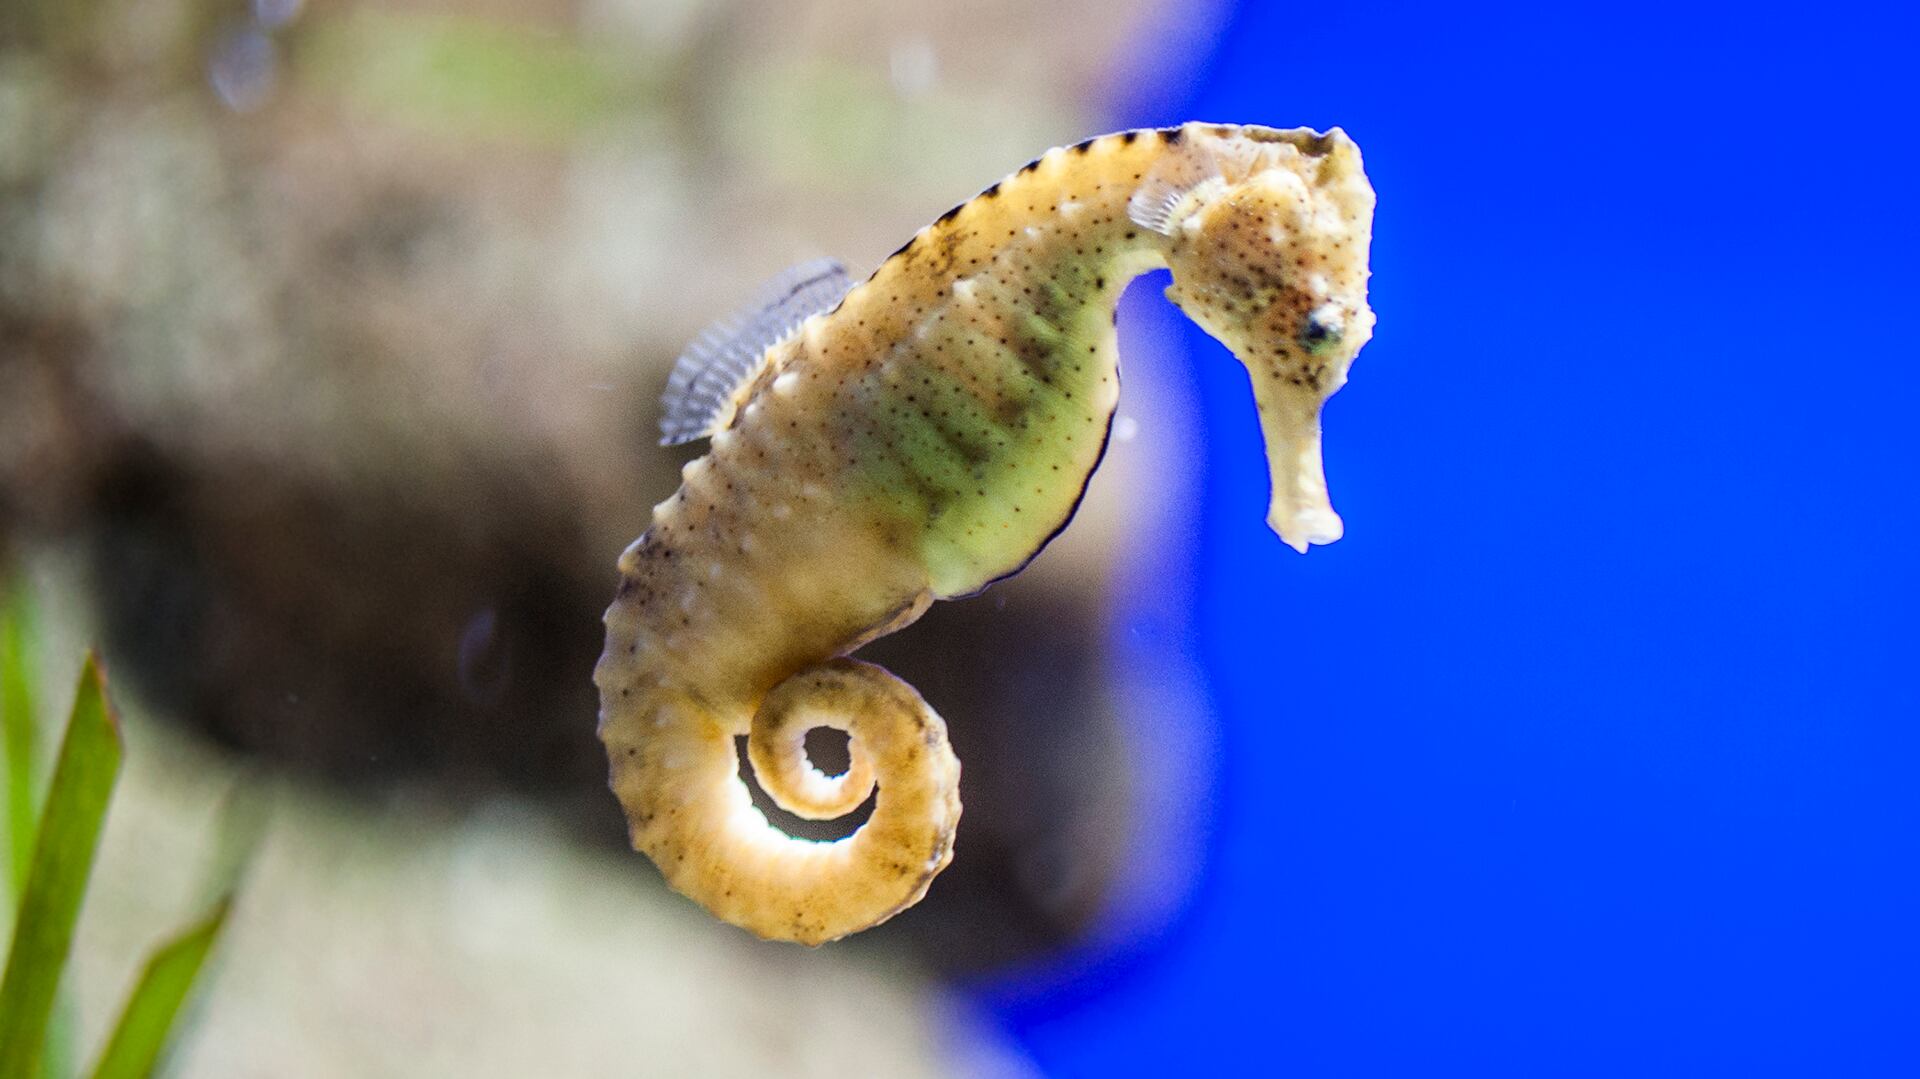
x=984 y=467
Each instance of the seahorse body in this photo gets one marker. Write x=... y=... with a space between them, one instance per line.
x=923 y=439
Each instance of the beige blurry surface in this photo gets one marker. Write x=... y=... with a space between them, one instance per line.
x=388 y=942
x=406 y=938
x=387 y=294
x=390 y=265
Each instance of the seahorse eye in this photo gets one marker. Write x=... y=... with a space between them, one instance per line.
x=1322 y=329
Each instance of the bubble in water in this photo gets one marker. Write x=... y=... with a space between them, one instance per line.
x=274 y=14
x=243 y=68
x=912 y=67
x=484 y=661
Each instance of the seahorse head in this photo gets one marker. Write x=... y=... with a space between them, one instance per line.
x=1267 y=237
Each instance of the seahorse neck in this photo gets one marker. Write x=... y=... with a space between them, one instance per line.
x=1060 y=219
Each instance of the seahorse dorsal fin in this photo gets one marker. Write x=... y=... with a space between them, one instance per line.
x=709 y=375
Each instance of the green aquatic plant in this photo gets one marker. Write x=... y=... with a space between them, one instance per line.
x=51 y=857
x=17 y=732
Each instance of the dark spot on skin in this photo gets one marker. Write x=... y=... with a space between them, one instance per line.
x=1011 y=412
x=1029 y=166
x=1170 y=135
x=990 y=192
x=1128 y=138
x=1083 y=146
x=949 y=215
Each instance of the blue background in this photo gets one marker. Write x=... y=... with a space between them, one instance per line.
x=1596 y=753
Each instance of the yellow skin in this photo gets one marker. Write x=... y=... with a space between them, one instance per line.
x=923 y=439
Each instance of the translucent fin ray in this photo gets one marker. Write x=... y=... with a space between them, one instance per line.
x=727 y=355
x=1177 y=187
x=1161 y=203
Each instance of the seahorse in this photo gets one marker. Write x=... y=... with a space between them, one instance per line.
x=918 y=436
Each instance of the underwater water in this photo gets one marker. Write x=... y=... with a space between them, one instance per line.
x=331 y=344
x=1590 y=750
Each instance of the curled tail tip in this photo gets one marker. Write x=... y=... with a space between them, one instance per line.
x=678 y=779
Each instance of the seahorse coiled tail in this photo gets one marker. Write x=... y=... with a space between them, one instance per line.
x=922 y=439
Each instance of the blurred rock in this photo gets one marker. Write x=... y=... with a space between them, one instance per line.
x=349 y=394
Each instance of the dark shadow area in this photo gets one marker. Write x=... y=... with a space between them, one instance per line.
x=448 y=632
